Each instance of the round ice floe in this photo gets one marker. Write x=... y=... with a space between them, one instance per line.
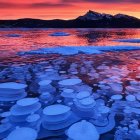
x=70 y=82
x=83 y=131
x=33 y=118
x=102 y=67
x=12 y=85
x=85 y=105
x=23 y=133
x=61 y=123
x=12 y=91
x=20 y=111
x=27 y=101
x=82 y=95
x=68 y=90
x=46 y=97
x=45 y=82
x=59 y=34
x=104 y=87
x=130 y=98
x=56 y=109
x=62 y=72
x=45 y=94
x=5 y=114
x=116 y=97
x=68 y=93
x=25 y=106
x=87 y=102
x=57 y=117
x=104 y=109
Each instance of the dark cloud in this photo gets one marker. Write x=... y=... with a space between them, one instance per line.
x=4 y=5
x=104 y=1
x=8 y=5
x=62 y=3
x=41 y=5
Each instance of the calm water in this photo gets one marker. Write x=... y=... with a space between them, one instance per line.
x=32 y=39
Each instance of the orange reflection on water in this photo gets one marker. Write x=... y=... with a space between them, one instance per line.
x=40 y=38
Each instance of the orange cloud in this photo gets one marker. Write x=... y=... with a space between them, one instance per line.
x=64 y=9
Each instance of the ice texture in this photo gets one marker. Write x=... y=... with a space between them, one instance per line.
x=11 y=91
x=61 y=34
x=70 y=82
x=22 y=134
x=13 y=35
x=128 y=40
x=12 y=85
x=56 y=110
x=62 y=92
x=83 y=131
x=72 y=50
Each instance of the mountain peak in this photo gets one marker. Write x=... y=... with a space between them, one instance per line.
x=92 y=15
x=120 y=15
x=90 y=19
x=92 y=12
x=124 y=16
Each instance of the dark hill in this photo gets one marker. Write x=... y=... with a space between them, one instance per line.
x=90 y=20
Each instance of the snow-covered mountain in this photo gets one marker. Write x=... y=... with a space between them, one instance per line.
x=89 y=20
x=91 y=15
x=118 y=16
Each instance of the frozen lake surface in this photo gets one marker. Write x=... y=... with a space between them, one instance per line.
x=19 y=40
x=70 y=84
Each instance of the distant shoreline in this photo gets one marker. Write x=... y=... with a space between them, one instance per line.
x=69 y=27
x=90 y=20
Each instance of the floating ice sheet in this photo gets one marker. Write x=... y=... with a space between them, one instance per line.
x=128 y=40
x=83 y=131
x=70 y=82
x=12 y=85
x=130 y=98
x=11 y=91
x=22 y=134
x=116 y=97
x=13 y=35
x=56 y=110
x=82 y=95
x=72 y=50
x=27 y=101
x=59 y=34
x=45 y=82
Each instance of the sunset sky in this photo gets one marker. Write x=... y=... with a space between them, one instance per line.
x=65 y=9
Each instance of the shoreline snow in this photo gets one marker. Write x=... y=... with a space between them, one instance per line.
x=128 y=40
x=73 y=50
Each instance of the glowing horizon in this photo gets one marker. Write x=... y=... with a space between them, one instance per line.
x=65 y=9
